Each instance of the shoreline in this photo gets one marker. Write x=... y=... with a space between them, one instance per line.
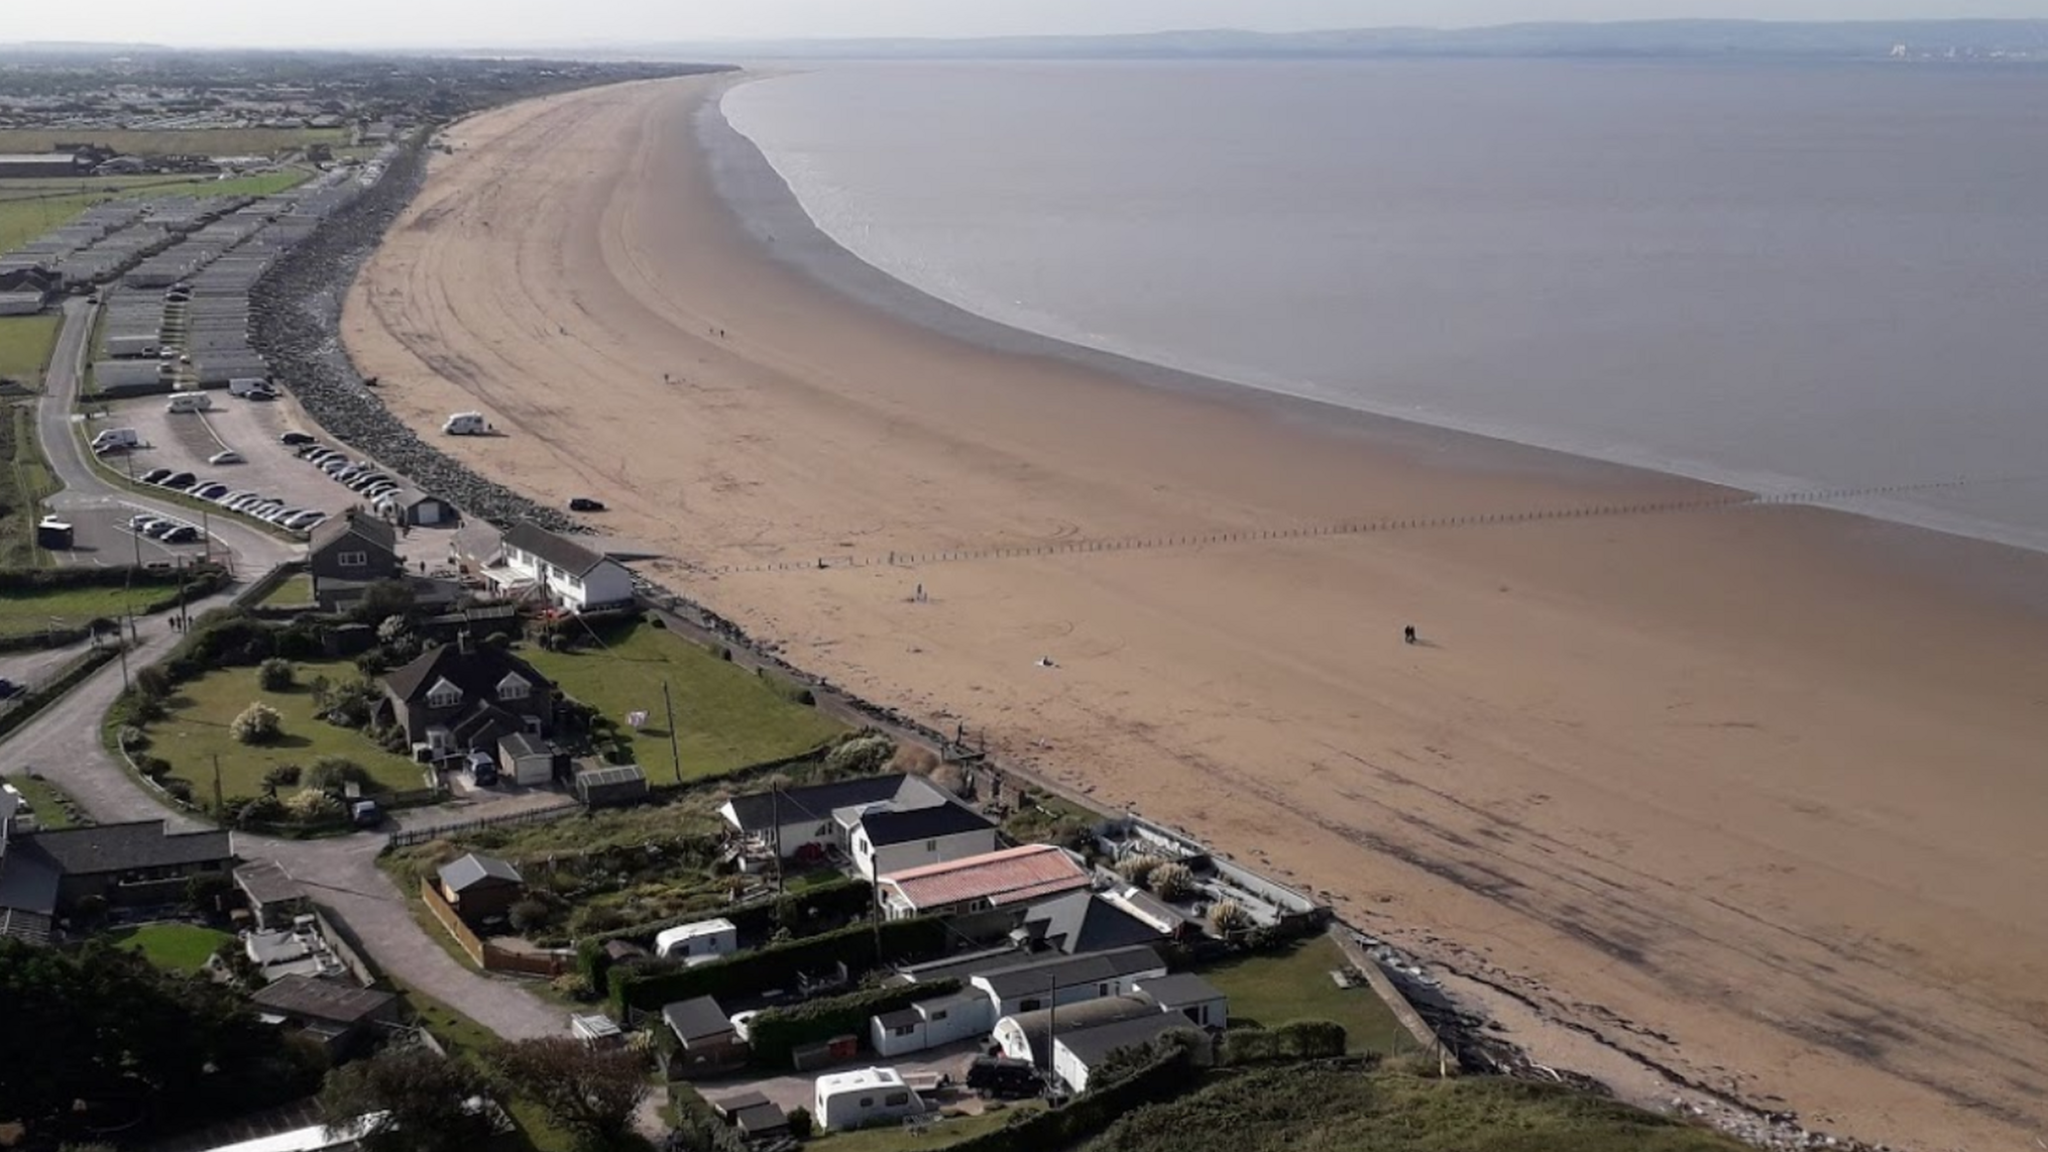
x=1671 y=882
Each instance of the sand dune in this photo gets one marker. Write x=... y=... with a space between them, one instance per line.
x=1755 y=792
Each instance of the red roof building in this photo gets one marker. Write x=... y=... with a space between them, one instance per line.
x=1012 y=876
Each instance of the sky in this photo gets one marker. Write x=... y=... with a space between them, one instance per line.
x=512 y=23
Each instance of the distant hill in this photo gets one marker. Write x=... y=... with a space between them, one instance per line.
x=2020 y=40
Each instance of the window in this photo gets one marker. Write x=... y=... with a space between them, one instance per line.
x=352 y=559
x=1102 y=989
x=931 y=845
x=903 y=1030
x=867 y=1101
x=896 y=1099
x=514 y=687
x=939 y=1015
x=1031 y=1005
x=443 y=694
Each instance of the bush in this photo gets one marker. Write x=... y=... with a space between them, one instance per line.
x=331 y=773
x=312 y=806
x=260 y=811
x=179 y=790
x=801 y=1124
x=1227 y=917
x=574 y=985
x=153 y=682
x=154 y=767
x=274 y=675
x=282 y=776
x=529 y=914
x=860 y=756
x=1173 y=881
x=1138 y=869
x=132 y=738
x=259 y=723
x=1311 y=1039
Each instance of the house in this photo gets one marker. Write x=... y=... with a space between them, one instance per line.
x=21 y=303
x=559 y=570
x=794 y=821
x=461 y=696
x=887 y=839
x=275 y=899
x=1057 y=981
x=705 y=1040
x=335 y=1013
x=699 y=942
x=610 y=785
x=1079 y=923
x=46 y=874
x=1076 y=1054
x=409 y=505
x=1005 y=880
x=348 y=553
x=847 y=1100
x=480 y=888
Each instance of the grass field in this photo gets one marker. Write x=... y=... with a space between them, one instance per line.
x=295 y=590
x=48 y=802
x=1276 y=988
x=173 y=947
x=24 y=479
x=175 y=142
x=1392 y=1110
x=196 y=730
x=25 y=343
x=896 y=1138
x=25 y=216
x=726 y=718
x=24 y=612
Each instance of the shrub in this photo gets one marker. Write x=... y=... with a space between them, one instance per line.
x=859 y=756
x=574 y=985
x=1311 y=1039
x=259 y=723
x=1173 y=881
x=179 y=790
x=311 y=806
x=777 y=1032
x=147 y=709
x=153 y=683
x=282 y=776
x=132 y=738
x=274 y=675
x=529 y=914
x=800 y=1123
x=1227 y=917
x=154 y=767
x=331 y=773
x=261 y=810
x=1138 y=869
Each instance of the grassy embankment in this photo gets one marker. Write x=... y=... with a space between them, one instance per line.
x=1392 y=1110
x=295 y=591
x=176 y=141
x=726 y=718
x=196 y=729
x=25 y=479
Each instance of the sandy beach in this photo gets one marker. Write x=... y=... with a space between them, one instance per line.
x=1754 y=792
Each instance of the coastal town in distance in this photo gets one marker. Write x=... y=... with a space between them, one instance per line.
x=1015 y=581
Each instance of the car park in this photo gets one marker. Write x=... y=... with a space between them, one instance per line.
x=296 y=438
x=155 y=475
x=228 y=457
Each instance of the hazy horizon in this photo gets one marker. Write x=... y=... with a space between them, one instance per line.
x=371 y=24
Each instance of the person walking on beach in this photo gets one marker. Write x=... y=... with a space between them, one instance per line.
x=920 y=594
x=1408 y=634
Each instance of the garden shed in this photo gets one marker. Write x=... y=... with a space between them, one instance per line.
x=612 y=785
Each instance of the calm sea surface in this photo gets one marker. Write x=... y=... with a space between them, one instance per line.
x=1792 y=278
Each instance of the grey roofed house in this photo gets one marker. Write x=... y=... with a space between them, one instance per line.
x=757 y=811
x=28 y=892
x=1081 y=922
x=1062 y=1022
x=328 y=1001
x=696 y=1020
x=133 y=847
x=267 y=883
x=903 y=826
x=1177 y=990
x=1091 y=1045
x=473 y=871
x=559 y=551
x=1063 y=971
x=368 y=529
x=963 y=967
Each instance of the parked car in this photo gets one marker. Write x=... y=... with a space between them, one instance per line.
x=335 y=465
x=317 y=454
x=304 y=520
x=159 y=529
x=179 y=480
x=1003 y=1077
x=9 y=689
x=182 y=534
x=295 y=438
x=154 y=475
x=585 y=504
x=210 y=491
x=227 y=498
x=229 y=457
x=138 y=523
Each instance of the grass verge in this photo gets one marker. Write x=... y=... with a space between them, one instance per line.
x=176 y=141
x=172 y=947
x=25 y=346
x=53 y=809
x=24 y=611
x=295 y=592
x=1276 y=988
x=726 y=718
x=24 y=480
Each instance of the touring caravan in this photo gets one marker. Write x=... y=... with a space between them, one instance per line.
x=698 y=943
x=848 y=1100
x=466 y=424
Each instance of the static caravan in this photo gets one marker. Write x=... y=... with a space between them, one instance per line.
x=847 y=1100
x=698 y=943
x=189 y=402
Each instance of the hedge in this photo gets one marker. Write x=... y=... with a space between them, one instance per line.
x=699 y=1126
x=44 y=579
x=1091 y=1112
x=754 y=918
x=777 y=1033
x=31 y=703
x=1300 y=1040
x=649 y=987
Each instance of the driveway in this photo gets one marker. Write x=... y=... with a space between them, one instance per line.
x=799 y=1090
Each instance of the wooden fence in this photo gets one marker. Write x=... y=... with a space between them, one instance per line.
x=486 y=955
x=469 y=941
x=407 y=837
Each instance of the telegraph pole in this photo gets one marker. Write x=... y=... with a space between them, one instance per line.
x=675 y=750
x=219 y=808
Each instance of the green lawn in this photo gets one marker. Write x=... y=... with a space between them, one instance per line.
x=896 y=1138
x=1393 y=1110
x=173 y=947
x=726 y=718
x=295 y=591
x=25 y=343
x=49 y=803
x=22 y=612
x=196 y=730
x=1279 y=987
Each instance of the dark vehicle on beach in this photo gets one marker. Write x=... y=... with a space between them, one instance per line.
x=585 y=504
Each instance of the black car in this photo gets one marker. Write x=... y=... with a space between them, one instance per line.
x=182 y=534
x=155 y=475
x=1003 y=1077
x=295 y=438
x=180 y=480
x=585 y=504
x=9 y=689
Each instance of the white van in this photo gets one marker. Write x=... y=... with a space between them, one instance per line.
x=466 y=424
x=109 y=437
x=190 y=402
x=251 y=387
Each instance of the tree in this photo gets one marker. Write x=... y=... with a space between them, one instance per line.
x=153 y=683
x=259 y=723
x=421 y=1101
x=384 y=599
x=592 y=1091
x=274 y=675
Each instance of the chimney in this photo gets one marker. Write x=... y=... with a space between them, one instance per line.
x=463 y=645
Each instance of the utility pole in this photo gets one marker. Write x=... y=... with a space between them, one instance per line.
x=1052 y=1008
x=219 y=808
x=675 y=750
x=775 y=815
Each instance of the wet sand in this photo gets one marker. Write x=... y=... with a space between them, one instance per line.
x=1753 y=792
